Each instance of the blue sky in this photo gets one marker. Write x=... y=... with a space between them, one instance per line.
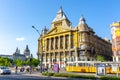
x=18 y=16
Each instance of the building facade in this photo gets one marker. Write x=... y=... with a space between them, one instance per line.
x=7 y=56
x=17 y=55
x=115 y=33
x=64 y=44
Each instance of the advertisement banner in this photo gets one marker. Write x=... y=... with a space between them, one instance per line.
x=115 y=32
x=114 y=67
x=101 y=69
x=56 y=67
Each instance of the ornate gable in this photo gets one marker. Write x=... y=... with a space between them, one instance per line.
x=57 y=30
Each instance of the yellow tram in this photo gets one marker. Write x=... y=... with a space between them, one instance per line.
x=91 y=67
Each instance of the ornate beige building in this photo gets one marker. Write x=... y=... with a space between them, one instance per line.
x=64 y=44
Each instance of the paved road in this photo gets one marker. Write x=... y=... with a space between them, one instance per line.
x=33 y=76
x=29 y=77
x=38 y=76
x=21 y=77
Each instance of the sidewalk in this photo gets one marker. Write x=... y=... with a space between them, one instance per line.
x=38 y=74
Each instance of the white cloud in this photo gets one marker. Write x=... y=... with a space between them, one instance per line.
x=20 y=39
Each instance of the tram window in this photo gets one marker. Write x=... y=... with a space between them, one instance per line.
x=74 y=64
x=70 y=64
x=80 y=64
x=108 y=65
x=118 y=59
x=95 y=64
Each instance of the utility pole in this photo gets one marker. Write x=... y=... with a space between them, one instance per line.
x=41 y=51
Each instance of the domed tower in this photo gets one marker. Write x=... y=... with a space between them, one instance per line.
x=83 y=30
x=85 y=34
x=27 y=52
x=82 y=26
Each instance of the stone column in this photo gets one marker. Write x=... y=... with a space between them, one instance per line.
x=64 y=42
x=76 y=55
x=45 y=59
x=49 y=60
x=45 y=45
x=65 y=59
x=69 y=56
x=59 y=59
x=70 y=41
x=54 y=56
x=54 y=43
x=49 y=44
x=59 y=43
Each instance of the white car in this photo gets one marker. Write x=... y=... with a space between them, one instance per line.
x=4 y=70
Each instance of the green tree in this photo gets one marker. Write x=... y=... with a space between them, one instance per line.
x=34 y=62
x=4 y=61
x=19 y=62
x=100 y=58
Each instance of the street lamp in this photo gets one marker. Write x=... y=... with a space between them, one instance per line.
x=40 y=50
x=31 y=56
x=36 y=30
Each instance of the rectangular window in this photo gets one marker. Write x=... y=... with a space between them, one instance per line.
x=47 y=44
x=67 y=41
x=56 y=44
x=61 y=42
x=52 y=43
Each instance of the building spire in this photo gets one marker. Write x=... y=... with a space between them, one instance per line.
x=82 y=20
x=60 y=15
x=27 y=47
x=60 y=10
x=44 y=30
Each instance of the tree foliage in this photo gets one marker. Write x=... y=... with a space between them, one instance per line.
x=100 y=58
x=5 y=61
x=34 y=62
x=18 y=62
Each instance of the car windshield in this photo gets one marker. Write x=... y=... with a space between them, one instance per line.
x=3 y=67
